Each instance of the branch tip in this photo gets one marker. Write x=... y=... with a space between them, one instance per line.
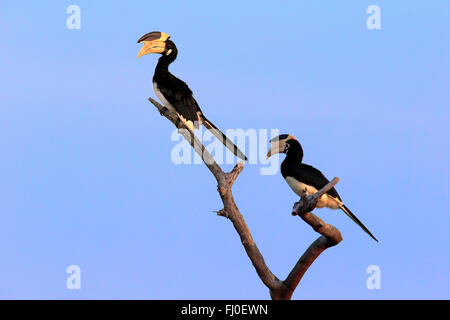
x=222 y=213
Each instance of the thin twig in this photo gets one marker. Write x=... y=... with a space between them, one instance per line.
x=308 y=203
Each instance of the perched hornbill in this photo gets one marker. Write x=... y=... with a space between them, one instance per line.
x=175 y=93
x=302 y=177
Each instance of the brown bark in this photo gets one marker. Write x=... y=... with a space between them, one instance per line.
x=330 y=236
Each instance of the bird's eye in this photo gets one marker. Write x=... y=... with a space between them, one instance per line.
x=286 y=147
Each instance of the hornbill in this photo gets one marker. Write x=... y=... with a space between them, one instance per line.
x=303 y=178
x=175 y=93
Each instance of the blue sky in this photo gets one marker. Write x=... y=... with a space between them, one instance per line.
x=86 y=172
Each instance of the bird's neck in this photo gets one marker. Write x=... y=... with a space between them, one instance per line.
x=294 y=153
x=164 y=62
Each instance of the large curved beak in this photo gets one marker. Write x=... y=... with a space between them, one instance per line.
x=276 y=147
x=154 y=46
x=154 y=42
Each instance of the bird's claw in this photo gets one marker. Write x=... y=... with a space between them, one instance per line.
x=294 y=213
x=163 y=110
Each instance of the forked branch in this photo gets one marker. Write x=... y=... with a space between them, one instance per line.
x=330 y=236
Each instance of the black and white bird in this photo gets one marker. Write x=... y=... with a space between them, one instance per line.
x=175 y=93
x=303 y=178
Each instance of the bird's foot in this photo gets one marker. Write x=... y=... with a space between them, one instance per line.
x=163 y=110
x=295 y=207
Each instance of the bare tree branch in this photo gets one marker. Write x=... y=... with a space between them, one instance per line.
x=330 y=236
x=307 y=204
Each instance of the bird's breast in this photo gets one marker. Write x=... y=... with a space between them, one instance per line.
x=162 y=98
x=299 y=187
x=167 y=104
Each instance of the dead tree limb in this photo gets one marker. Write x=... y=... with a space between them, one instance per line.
x=330 y=236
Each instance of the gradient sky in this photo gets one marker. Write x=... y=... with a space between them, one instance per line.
x=86 y=173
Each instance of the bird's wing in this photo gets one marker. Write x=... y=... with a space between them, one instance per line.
x=180 y=97
x=313 y=177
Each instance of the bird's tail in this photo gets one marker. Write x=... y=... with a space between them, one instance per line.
x=223 y=138
x=355 y=219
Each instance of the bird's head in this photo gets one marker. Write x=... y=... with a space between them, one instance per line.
x=282 y=144
x=156 y=42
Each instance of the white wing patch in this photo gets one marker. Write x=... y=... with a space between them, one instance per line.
x=166 y=103
x=162 y=98
x=324 y=201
